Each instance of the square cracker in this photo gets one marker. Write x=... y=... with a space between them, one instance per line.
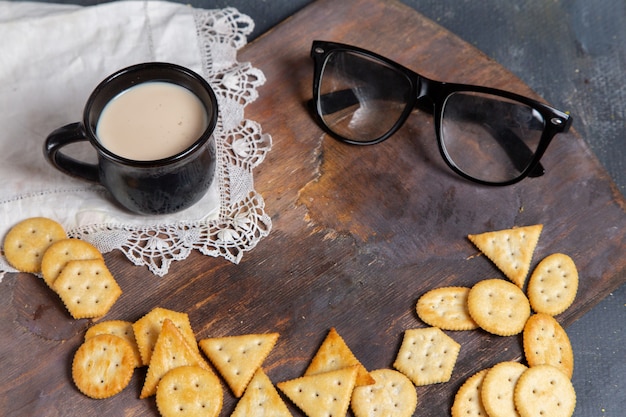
x=322 y=395
x=87 y=288
x=170 y=351
x=511 y=250
x=238 y=357
x=334 y=354
x=148 y=327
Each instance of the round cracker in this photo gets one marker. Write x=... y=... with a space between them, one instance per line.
x=103 y=366
x=446 y=308
x=498 y=388
x=61 y=252
x=553 y=284
x=467 y=401
x=546 y=343
x=189 y=391
x=27 y=241
x=119 y=328
x=392 y=395
x=543 y=390
x=498 y=306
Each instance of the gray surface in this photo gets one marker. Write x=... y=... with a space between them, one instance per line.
x=573 y=53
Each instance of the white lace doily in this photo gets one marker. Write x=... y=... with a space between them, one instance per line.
x=53 y=56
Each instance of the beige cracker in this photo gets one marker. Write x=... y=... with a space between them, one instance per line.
x=497 y=389
x=446 y=308
x=322 y=395
x=170 y=351
x=498 y=307
x=553 y=284
x=61 y=252
x=237 y=358
x=103 y=366
x=87 y=288
x=467 y=401
x=511 y=250
x=334 y=354
x=148 y=327
x=189 y=391
x=27 y=241
x=261 y=399
x=543 y=390
x=393 y=395
x=427 y=356
x=546 y=343
x=120 y=328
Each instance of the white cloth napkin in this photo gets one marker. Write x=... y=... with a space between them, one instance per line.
x=51 y=58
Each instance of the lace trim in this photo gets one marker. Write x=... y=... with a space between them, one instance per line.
x=241 y=146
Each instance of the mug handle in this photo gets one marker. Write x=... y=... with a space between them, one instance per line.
x=61 y=137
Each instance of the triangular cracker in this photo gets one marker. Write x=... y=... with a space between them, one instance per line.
x=261 y=399
x=511 y=250
x=148 y=327
x=238 y=357
x=170 y=351
x=326 y=394
x=335 y=354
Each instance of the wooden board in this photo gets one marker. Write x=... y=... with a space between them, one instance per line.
x=358 y=233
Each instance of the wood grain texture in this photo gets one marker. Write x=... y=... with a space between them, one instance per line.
x=358 y=233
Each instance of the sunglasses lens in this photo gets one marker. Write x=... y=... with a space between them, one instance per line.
x=361 y=98
x=488 y=137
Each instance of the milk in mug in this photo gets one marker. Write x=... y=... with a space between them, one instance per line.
x=151 y=121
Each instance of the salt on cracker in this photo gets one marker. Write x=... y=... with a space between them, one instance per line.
x=238 y=357
x=87 y=288
x=171 y=350
x=498 y=307
x=446 y=308
x=61 y=252
x=467 y=401
x=511 y=250
x=553 y=284
x=498 y=387
x=27 y=241
x=189 y=391
x=103 y=366
x=543 y=390
x=427 y=356
x=392 y=395
x=148 y=327
x=261 y=399
x=119 y=328
x=334 y=354
x=546 y=343
x=322 y=395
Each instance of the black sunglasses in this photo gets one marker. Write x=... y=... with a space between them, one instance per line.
x=486 y=135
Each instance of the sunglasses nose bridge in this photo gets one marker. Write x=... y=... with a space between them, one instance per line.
x=423 y=97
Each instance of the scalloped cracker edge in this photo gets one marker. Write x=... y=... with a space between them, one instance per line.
x=511 y=250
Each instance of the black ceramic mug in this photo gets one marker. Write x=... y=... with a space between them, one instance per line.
x=160 y=185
